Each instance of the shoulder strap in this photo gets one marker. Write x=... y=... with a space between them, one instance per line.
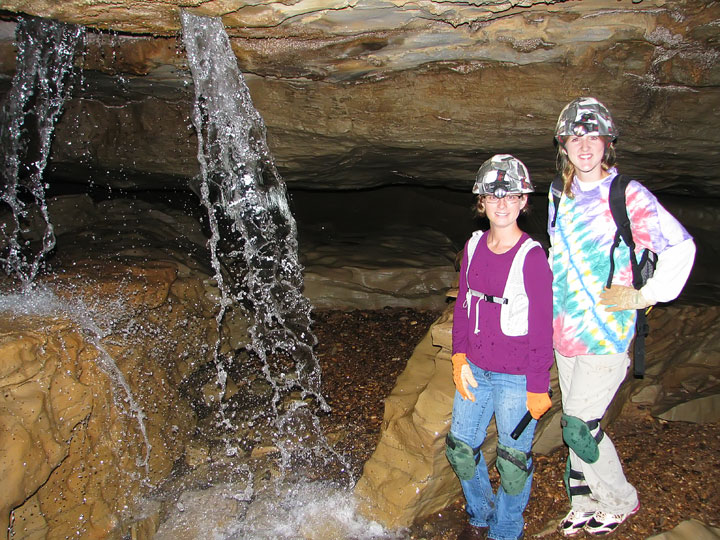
x=556 y=188
x=471 y=245
x=618 y=208
x=515 y=280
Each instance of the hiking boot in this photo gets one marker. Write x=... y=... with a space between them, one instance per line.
x=603 y=523
x=574 y=522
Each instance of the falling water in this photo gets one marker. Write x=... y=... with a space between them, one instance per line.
x=253 y=240
x=42 y=81
x=254 y=252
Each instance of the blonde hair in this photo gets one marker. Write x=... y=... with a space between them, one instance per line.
x=567 y=169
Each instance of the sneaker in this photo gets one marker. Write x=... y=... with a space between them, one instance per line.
x=574 y=522
x=603 y=523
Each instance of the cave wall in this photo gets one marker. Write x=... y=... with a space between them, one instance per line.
x=354 y=95
x=370 y=93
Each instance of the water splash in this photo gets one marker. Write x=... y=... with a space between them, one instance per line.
x=42 y=82
x=38 y=300
x=253 y=241
x=306 y=510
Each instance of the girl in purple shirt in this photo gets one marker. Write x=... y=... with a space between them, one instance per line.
x=502 y=352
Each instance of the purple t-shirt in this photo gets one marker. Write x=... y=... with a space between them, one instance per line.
x=530 y=355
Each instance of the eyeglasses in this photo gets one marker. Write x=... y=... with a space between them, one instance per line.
x=510 y=199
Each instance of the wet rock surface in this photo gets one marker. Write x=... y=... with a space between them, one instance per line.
x=91 y=385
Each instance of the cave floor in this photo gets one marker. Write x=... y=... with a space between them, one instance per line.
x=675 y=466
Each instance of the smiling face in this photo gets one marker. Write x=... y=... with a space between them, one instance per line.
x=505 y=211
x=586 y=154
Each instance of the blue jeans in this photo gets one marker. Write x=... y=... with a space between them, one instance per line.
x=504 y=396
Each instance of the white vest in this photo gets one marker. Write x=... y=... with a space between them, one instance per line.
x=514 y=310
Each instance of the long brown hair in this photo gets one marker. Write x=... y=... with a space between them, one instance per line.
x=567 y=169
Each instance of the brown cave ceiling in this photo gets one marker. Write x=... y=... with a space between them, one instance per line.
x=367 y=93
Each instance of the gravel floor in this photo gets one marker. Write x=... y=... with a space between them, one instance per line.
x=675 y=466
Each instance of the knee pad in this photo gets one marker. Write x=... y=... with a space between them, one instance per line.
x=577 y=435
x=463 y=459
x=512 y=464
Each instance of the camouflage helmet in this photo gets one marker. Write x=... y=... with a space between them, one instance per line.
x=585 y=116
x=502 y=174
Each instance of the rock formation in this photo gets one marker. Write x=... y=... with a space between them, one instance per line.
x=94 y=369
x=408 y=475
x=359 y=94
x=378 y=115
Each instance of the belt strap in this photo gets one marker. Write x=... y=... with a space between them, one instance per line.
x=487 y=297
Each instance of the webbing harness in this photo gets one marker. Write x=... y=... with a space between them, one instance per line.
x=514 y=286
x=582 y=489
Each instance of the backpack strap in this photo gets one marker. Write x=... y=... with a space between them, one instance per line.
x=618 y=208
x=556 y=188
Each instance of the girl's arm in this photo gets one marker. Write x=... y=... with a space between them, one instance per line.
x=671 y=273
x=538 y=286
x=460 y=317
x=655 y=228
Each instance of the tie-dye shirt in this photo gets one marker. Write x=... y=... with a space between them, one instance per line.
x=580 y=262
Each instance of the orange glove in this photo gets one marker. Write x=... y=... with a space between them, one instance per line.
x=538 y=404
x=462 y=376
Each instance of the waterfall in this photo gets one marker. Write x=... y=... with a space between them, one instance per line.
x=253 y=240
x=42 y=81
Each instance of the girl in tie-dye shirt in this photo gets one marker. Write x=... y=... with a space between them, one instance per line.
x=593 y=326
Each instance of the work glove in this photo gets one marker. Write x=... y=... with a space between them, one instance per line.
x=462 y=376
x=620 y=297
x=538 y=404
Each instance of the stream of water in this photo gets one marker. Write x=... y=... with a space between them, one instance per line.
x=254 y=256
x=43 y=79
x=253 y=240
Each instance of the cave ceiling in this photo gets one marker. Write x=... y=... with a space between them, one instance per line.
x=363 y=93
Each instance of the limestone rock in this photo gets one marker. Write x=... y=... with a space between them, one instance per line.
x=360 y=94
x=92 y=375
x=40 y=407
x=689 y=530
x=408 y=476
x=398 y=267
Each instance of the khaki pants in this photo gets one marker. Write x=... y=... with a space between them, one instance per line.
x=588 y=384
